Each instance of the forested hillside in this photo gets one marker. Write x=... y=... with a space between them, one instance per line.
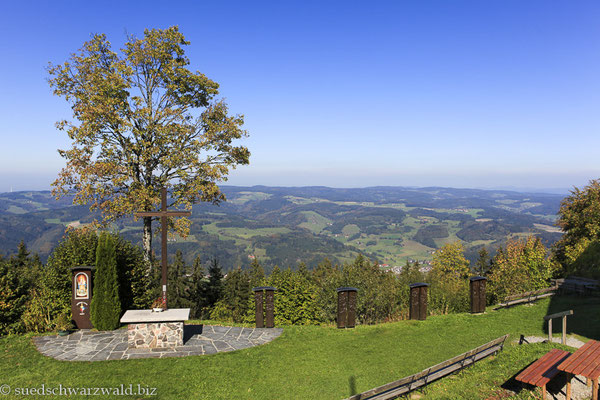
x=286 y=226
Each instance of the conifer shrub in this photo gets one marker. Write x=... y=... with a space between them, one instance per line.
x=13 y=297
x=105 y=310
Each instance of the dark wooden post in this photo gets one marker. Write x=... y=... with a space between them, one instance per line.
x=478 y=295
x=418 y=301
x=270 y=307
x=258 y=300
x=81 y=296
x=265 y=306
x=342 y=314
x=351 y=321
x=346 y=316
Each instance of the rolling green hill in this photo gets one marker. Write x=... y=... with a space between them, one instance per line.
x=286 y=226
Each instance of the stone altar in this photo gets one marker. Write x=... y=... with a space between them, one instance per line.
x=148 y=329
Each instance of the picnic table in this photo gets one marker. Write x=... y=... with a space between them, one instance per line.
x=543 y=370
x=585 y=362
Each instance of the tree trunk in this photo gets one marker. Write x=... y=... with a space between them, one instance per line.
x=147 y=242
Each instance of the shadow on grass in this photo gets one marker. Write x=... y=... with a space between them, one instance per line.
x=554 y=387
x=352 y=385
x=585 y=320
x=512 y=384
x=190 y=330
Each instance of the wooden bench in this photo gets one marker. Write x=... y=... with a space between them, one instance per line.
x=526 y=297
x=543 y=370
x=405 y=385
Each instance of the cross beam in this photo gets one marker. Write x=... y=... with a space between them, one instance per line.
x=164 y=214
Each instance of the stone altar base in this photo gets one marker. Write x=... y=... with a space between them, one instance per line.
x=155 y=335
x=148 y=329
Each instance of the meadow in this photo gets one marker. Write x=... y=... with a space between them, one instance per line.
x=320 y=362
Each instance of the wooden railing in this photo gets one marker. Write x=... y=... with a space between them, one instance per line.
x=526 y=297
x=400 y=387
x=564 y=315
x=576 y=284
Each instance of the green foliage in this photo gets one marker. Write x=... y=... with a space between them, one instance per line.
x=63 y=322
x=449 y=289
x=197 y=290
x=51 y=295
x=327 y=278
x=521 y=266
x=214 y=288
x=295 y=298
x=234 y=304
x=378 y=297
x=257 y=278
x=13 y=296
x=178 y=284
x=40 y=311
x=105 y=310
x=18 y=275
x=449 y=262
x=377 y=290
x=483 y=262
x=135 y=285
x=257 y=274
x=578 y=251
x=410 y=274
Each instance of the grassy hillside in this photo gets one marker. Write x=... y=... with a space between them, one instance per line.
x=318 y=362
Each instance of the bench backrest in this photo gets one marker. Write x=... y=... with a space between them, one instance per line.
x=412 y=382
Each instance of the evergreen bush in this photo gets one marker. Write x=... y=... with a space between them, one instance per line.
x=105 y=310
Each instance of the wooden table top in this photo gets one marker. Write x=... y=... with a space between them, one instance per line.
x=540 y=372
x=585 y=361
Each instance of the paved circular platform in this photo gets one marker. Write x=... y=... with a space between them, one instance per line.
x=112 y=345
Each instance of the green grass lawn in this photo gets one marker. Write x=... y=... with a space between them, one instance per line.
x=317 y=362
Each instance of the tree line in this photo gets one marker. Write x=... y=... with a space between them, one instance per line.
x=36 y=296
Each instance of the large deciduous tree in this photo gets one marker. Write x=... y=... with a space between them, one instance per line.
x=142 y=121
x=578 y=251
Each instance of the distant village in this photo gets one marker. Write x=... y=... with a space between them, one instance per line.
x=424 y=266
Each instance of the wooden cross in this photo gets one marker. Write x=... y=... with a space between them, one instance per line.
x=164 y=214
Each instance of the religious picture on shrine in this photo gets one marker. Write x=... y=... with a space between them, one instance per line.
x=81 y=286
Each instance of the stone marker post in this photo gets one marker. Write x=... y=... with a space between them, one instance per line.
x=346 y=317
x=418 y=301
x=81 y=296
x=265 y=306
x=478 y=296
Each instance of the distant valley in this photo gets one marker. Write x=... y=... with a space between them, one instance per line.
x=288 y=225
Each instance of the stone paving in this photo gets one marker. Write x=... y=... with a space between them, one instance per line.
x=198 y=340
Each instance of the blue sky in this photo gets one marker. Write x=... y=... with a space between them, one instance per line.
x=345 y=94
